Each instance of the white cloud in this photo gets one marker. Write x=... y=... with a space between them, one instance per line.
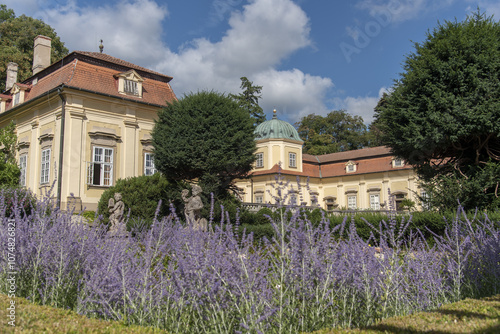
x=488 y=6
x=294 y=93
x=27 y=7
x=260 y=36
x=258 y=39
x=360 y=106
x=397 y=10
x=130 y=30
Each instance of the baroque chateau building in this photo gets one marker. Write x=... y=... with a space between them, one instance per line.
x=358 y=179
x=85 y=121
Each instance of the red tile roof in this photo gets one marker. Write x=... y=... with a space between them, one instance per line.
x=95 y=72
x=368 y=160
x=107 y=58
x=355 y=154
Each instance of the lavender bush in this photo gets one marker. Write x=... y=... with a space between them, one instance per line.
x=305 y=279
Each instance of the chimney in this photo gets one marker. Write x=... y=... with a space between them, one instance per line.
x=11 y=75
x=41 y=53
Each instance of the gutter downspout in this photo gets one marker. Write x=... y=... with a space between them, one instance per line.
x=61 y=146
x=251 y=189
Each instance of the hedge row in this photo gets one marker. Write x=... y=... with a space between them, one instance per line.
x=142 y=194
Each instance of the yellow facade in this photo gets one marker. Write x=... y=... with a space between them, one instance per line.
x=83 y=124
x=360 y=179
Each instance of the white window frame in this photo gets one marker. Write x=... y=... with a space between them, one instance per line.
x=103 y=164
x=45 y=166
x=375 y=201
x=350 y=167
x=17 y=97
x=259 y=162
x=23 y=163
x=149 y=164
x=259 y=199
x=398 y=163
x=352 y=202
x=425 y=197
x=292 y=159
x=130 y=87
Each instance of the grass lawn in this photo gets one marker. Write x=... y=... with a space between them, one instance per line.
x=31 y=318
x=467 y=316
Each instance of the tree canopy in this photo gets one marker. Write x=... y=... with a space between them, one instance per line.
x=442 y=114
x=16 y=43
x=249 y=100
x=9 y=171
x=205 y=137
x=338 y=131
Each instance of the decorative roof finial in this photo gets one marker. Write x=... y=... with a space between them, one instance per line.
x=101 y=47
x=274 y=114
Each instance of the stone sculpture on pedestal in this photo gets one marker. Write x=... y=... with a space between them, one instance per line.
x=116 y=208
x=192 y=208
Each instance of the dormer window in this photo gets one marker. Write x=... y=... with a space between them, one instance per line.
x=130 y=87
x=18 y=93
x=350 y=166
x=397 y=163
x=130 y=83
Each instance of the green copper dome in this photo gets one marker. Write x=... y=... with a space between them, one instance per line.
x=276 y=129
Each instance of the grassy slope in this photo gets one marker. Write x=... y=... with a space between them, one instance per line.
x=32 y=318
x=468 y=316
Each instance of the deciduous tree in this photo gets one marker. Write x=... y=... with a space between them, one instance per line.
x=16 y=43
x=9 y=171
x=338 y=131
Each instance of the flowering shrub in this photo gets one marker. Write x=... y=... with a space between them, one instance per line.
x=304 y=279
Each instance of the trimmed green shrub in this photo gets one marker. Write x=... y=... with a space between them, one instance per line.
x=141 y=196
x=259 y=231
x=25 y=197
x=260 y=218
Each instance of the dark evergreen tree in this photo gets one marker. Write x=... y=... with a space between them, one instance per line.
x=442 y=115
x=249 y=100
x=205 y=137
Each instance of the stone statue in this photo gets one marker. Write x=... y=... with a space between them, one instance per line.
x=116 y=208
x=192 y=208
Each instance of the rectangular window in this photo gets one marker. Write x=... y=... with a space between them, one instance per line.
x=350 y=168
x=351 y=202
x=16 y=98
x=259 y=199
x=149 y=164
x=100 y=170
x=130 y=87
x=23 y=161
x=375 y=201
x=45 y=166
x=398 y=163
x=260 y=160
x=426 y=205
x=292 y=157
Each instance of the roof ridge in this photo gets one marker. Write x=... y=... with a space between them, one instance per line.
x=72 y=73
x=111 y=59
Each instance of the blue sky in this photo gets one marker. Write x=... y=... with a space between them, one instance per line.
x=310 y=56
